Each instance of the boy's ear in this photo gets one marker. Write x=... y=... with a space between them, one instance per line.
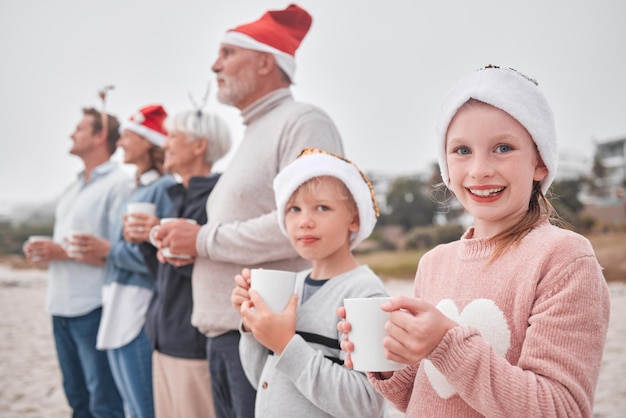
x=355 y=224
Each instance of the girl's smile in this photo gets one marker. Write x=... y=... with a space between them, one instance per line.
x=492 y=162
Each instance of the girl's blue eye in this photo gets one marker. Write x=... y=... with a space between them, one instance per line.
x=323 y=208
x=502 y=148
x=293 y=209
x=462 y=151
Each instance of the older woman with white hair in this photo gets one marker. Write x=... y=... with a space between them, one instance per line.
x=182 y=387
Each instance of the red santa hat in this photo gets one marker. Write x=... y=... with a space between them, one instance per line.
x=148 y=122
x=278 y=32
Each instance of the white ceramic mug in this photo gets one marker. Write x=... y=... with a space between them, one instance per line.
x=37 y=238
x=367 y=333
x=141 y=207
x=274 y=286
x=74 y=251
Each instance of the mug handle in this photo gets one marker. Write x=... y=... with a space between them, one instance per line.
x=153 y=231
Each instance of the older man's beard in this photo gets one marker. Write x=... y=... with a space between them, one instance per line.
x=237 y=88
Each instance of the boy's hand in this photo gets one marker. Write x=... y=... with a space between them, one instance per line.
x=240 y=292
x=272 y=329
x=344 y=327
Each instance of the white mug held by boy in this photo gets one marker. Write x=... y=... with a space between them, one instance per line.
x=509 y=321
x=326 y=207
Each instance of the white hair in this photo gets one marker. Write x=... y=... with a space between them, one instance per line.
x=196 y=125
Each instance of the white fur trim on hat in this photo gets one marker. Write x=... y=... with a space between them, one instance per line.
x=518 y=96
x=285 y=61
x=316 y=165
x=154 y=137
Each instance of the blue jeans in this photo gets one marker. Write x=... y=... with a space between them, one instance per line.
x=87 y=379
x=233 y=395
x=132 y=370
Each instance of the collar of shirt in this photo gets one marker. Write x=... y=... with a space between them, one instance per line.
x=265 y=103
x=148 y=177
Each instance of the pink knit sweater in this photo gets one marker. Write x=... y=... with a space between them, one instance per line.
x=532 y=330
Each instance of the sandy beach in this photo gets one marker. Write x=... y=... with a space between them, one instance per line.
x=30 y=381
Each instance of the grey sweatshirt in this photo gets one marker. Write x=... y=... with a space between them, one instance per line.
x=308 y=379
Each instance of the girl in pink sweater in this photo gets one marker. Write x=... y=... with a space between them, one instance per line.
x=511 y=319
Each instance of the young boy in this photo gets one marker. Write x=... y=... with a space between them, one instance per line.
x=326 y=207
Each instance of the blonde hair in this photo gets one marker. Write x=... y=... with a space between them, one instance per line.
x=313 y=185
x=539 y=209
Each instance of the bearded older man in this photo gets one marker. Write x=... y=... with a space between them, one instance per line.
x=255 y=68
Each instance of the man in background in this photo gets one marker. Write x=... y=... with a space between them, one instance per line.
x=255 y=68
x=74 y=294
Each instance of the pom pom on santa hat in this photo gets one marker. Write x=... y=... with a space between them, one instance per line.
x=278 y=32
x=148 y=122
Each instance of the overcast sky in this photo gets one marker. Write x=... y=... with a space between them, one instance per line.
x=379 y=68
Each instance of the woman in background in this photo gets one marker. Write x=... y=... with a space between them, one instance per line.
x=182 y=385
x=129 y=285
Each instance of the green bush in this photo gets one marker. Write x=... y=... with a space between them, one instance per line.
x=431 y=236
x=448 y=233
x=12 y=237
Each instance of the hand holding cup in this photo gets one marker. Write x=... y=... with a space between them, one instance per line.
x=269 y=315
x=240 y=292
x=365 y=326
x=138 y=219
x=176 y=240
x=88 y=248
x=275 y=287
x=36 y=248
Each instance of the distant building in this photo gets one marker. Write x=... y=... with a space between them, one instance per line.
x=612 y=156
x=573 y=166
x=605 y=201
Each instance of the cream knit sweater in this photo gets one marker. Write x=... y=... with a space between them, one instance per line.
x=243 y=226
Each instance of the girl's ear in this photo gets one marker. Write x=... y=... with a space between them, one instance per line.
x=541 y=171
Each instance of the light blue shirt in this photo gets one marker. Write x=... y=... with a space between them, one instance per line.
x=75 y=288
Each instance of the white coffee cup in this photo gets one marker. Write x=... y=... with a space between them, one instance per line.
x=73 y=250
x=166 y=251
x=367 y=333
x=37 y=238
x=168 y=254
x=274 y=286
x=141 y=207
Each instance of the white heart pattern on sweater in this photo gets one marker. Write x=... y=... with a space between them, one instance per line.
x=482 y=314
